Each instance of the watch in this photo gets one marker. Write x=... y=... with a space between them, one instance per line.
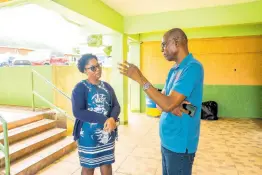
x=146 y=86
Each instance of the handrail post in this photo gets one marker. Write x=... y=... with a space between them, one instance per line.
x=6 y=149
x=33 y=96
x=5 y=146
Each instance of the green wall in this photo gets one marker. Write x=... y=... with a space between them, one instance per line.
x=245 y=13
x=16 y=86
x=192 y=20
x=97 y=11
x=233 y=101
x=211 y=32
x=236 y=101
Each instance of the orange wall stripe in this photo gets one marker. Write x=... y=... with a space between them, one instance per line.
x=227 y=61
x=251 y=44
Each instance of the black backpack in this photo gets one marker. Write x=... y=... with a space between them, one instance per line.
x=209 y=110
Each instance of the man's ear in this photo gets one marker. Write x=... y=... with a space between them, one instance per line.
x=176 y=42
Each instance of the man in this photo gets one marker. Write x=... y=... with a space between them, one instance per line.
x=179 y=132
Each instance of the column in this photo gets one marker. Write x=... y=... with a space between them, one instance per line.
x=118 y=81
x=134 y=88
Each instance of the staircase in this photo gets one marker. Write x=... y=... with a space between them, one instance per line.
x=34 y=143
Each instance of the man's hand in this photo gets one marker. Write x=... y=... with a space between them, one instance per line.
x=131 y=71
x=158 y=107
x=110 y=125
x=178 y=111
x=166 y=102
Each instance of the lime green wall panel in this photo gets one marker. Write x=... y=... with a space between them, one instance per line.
x=233 y=101
x=41 y=87
x=211 y=32
x=134 y=37
x=97 y=11
x=16 y=86
x=118 y=81
x=236 y=101
x=244 y=13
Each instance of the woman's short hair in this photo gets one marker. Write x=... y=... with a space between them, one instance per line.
x=84 y=60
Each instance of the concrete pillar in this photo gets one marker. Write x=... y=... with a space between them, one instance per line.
x=134 y=88
x=118 y=81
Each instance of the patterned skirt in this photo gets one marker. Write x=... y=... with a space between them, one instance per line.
x=95 y=146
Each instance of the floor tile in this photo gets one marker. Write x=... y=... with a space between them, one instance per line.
x=137 y=165
x=62 y=167
x=72 y=158
x=146 y=152
x=226 y=147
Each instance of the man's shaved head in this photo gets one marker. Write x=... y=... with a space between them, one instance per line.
x=178 y=35
x=174 y=43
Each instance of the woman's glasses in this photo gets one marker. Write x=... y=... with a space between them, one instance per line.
x=94 y=68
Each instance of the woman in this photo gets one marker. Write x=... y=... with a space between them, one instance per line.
x=96 y=110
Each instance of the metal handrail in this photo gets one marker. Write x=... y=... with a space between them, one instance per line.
x=34 y=93
x=54 y=106
x=51 y=84
x=5 y=147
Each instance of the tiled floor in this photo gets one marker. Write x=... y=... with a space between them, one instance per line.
x=227 y=147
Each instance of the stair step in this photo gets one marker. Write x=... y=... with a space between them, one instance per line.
x=28 y=130
x=32 y=144
x=37 y=161
x=23 y=121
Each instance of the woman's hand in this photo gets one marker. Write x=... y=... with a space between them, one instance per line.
x=179 y=110
x=110 y=125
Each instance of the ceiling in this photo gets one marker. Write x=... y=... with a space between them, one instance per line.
x=34 y=25
x=141 y=7
x=44 y=24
